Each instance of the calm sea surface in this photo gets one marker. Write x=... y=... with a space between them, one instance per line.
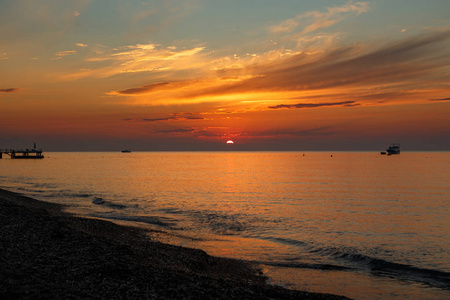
x=359 y=224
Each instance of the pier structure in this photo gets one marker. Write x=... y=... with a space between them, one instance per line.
x=22 y=153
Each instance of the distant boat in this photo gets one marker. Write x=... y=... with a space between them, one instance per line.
x=126 y=151
x=393 y=149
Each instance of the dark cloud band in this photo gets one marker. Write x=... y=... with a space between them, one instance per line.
x=10 y=90
x=313 y=105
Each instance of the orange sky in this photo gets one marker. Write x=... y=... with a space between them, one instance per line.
x=323 y=76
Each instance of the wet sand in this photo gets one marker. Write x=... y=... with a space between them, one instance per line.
x=47 y=253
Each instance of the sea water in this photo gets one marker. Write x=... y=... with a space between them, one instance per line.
x=359 y=224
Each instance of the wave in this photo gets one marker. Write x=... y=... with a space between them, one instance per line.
x=81 y=195
x=323 y=267
x=68 y=194
x=226 y=223
x=44 y=185
x=281 y=240
x=162 y=222
x=171 y=210
x=29 y=190
x=219 y=223
x=352 y=260
x=381 y=267
x=223 y=224
x=101 y=201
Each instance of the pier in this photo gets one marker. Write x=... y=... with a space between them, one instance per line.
x=22 y=154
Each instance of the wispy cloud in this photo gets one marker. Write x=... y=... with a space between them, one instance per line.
x=41 y=22
x=313 y=105
x=158 y=87
x=176 y=131
x=391 y=68
x=65 y=53
x=442 y=99
x=10 y=90
x=81 y=45
x=314 y=20
x=365 y=75
x=3 y=55
x=141 y=58
x=311 y=132
x=143 y=89
x=171 y=117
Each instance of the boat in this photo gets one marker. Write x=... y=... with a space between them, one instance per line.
x=393 y=149
x=126 y=151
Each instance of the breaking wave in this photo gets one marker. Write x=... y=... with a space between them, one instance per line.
x=101 y=201
x=323 y=267
x=352 y=260
x=152 y=220
x=382 y=267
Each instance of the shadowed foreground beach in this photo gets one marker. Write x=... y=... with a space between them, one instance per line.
x=46 y=253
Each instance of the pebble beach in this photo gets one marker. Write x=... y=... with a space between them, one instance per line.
x=47 y=253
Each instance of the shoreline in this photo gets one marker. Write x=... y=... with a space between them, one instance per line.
x=48 y=253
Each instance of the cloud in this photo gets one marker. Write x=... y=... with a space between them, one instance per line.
x=313 y=105
x=285 y=26
x=10 y=90
x=187 y=116
x=405 y=70
x=81 y=45
x=159 y=119
x=4 y=56
x=143 y=89
x=442 y=99
x=318 y=131
x=315 y=20
x=143 y=58
x=66 y=53
x=179 y=130
x=41 y=22
x=393 y=68
x=171 y=117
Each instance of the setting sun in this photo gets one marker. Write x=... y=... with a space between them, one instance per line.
x=318 y=95
x=305 y=78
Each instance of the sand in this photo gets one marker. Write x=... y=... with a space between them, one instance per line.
x=47 y=253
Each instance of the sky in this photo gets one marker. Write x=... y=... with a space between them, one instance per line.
x=282 y=75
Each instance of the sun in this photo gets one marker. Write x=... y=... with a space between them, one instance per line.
x=230 y=142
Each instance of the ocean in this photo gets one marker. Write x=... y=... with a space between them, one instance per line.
x=359 y=224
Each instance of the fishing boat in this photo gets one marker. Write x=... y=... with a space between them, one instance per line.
x=126 y=151
x=393 y=149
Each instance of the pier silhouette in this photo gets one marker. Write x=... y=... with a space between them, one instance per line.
x=22 y=153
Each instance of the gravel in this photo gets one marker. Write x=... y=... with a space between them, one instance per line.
x=46 y=253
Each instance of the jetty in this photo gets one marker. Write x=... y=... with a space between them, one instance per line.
x=22 y=153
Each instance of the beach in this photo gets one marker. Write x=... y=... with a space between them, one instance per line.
x=47 y=253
